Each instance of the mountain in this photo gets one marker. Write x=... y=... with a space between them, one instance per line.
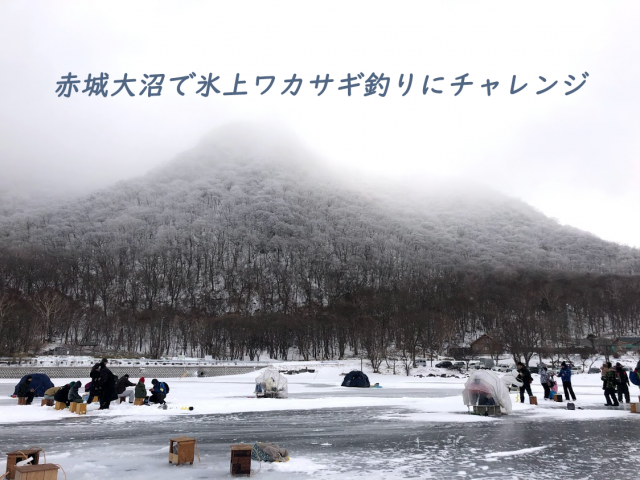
x=250 y=219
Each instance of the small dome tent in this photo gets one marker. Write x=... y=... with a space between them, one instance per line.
x=356 y=379
x=485 y=388
x=39 y=382
x=271 y=384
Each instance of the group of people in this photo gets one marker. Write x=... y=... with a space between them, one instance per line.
x=107 y=387
x=615 y=380
x=104 y=384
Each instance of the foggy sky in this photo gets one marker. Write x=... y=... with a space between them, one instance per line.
x=573 y=157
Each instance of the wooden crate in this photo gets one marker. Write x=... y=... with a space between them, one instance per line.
x=22 y=400
x=46 y=471
x=635 y=408
x=72 y=407
x=181 y=450
x=81 y=408
x=19 y=456
x=487 y=410
x=61 y=405
x=533 y=400
x=557 y=397
x=96 y=399
x=46 y=403
x=241 y=459
x=138 y=401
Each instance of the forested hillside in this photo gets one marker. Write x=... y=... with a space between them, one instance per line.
x=247 y=235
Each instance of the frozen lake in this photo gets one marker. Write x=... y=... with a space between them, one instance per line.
x=356 y=440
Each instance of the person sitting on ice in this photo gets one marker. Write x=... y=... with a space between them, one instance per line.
x=159 y=391
x=485 y=399
x=121 y=388
x=25 y=390
x=73 y=395
x=50 y=393
x=141 y=389
x=62 y=395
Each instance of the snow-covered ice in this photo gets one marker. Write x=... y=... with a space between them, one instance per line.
x=411 y=427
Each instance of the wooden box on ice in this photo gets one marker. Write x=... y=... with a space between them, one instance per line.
x=46 y=471
x=181 y=450
x=241 y=459
x=19 y=456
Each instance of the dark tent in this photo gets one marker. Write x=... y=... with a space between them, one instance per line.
x=40 y=382
x=356 y=379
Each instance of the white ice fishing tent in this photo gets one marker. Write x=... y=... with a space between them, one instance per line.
x=271 y=384
x=511 y=381
x=485 y=388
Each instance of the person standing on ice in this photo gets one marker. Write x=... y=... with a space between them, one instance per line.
x=544 y=381
x=565 y=375
x=525 y=377
x=623 y=383
x=610 y=383
x=95 y=380
x=107 y=386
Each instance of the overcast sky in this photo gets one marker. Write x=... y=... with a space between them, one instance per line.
x=574 y=157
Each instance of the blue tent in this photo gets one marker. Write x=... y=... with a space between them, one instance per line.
x=356 y=379
x=39 y=381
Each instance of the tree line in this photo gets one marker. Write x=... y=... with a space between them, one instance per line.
x=414 y=317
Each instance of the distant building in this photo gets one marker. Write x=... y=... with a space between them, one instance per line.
x=486 y=345
x=458 y=352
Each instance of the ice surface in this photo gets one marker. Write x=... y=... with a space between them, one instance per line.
x=412 y=427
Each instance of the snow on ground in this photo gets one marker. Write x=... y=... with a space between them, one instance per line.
x=322 y=390
x=411 y=426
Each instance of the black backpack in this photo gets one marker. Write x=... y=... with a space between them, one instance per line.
x=166 y=387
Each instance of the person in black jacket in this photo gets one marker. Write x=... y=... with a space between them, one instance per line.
x=623 y=383
x=95 y=380
x=25 y=390
x=121 y=389
x=62 y=395
x=107 y=386
x=525 y=377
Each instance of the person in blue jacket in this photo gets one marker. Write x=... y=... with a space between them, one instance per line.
x=159 y=392
x=565 y=375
